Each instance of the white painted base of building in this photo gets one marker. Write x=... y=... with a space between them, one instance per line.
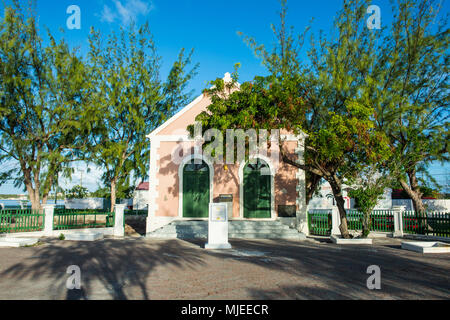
x=84 y=236
x=426 y=247
x=217 y=246
x=340 y=240
x=16 y=242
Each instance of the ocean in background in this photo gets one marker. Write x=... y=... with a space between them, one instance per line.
x=16 y=203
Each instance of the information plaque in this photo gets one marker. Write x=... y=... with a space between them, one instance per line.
x=218 y=227
x=219 y=212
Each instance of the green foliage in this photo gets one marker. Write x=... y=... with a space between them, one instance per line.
x=124 y=190
x=43 y=103
x=61 y=237
x=330 y=97
x=368 y=191
x=327 y=98
x=410 y=91
x=77 y=192
x=366 y=198
x=102 y=192
x=126 y=87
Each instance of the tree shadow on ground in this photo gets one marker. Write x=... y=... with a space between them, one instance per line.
x=108 y=265
x=339 y=272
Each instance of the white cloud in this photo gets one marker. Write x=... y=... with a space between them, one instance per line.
x=125 y=10
x=108 y=15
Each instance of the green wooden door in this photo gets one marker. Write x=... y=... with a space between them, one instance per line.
x=196 y=195
x=257 y=192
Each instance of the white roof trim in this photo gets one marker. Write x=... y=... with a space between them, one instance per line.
x=176 y=116
x=227 y=79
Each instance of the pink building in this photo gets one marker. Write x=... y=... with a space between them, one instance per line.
x=181 y=189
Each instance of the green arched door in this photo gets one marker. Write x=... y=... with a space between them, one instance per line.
x=196 y=194
x=257 y=191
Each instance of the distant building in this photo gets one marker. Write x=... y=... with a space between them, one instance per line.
x=401 y=194
x=141 y=196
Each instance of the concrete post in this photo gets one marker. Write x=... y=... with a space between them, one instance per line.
x=398 y=220
x=335 y=222
x=302 y=209
x=119 y=222
x=49 y=211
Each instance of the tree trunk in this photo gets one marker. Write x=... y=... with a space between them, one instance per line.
x=367 y=222
x=45 y=199
x=340 y=202
x=415 y=194
x=312 y=180
x=34 y=197
x=113 y=195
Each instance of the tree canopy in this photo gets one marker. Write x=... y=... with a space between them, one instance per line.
x=124 y=80
x=45 y=113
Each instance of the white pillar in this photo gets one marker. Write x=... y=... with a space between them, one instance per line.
x=398 y=220
x=335 y=221
x=49 y=211
x=119 y=229
x=152 y=195
x=302 y=210
x=218 y=227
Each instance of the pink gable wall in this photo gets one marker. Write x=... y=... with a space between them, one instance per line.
x=225 y=181
x=179 y=126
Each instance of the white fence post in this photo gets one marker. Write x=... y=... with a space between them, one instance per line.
x=49 y=211
x=119 y=229
x=398 y=220
x=335 y=222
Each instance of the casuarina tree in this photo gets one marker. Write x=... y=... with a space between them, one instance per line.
x=324 y=97
x=45 y=117
x=126 y=86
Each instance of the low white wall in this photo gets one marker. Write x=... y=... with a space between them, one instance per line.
x=88 y=203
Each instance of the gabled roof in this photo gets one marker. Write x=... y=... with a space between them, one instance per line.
x=227 y=78
x=175 y=117
x=144 y=186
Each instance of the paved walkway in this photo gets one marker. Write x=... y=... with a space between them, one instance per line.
x=139 y=268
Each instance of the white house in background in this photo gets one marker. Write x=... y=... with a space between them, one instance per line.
x=325 y=199
x=88 y=203
x=141 y=196
x=439 y=205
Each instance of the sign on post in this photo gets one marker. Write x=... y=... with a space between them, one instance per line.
x=218 y=227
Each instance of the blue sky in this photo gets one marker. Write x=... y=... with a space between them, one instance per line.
x=210 y=27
